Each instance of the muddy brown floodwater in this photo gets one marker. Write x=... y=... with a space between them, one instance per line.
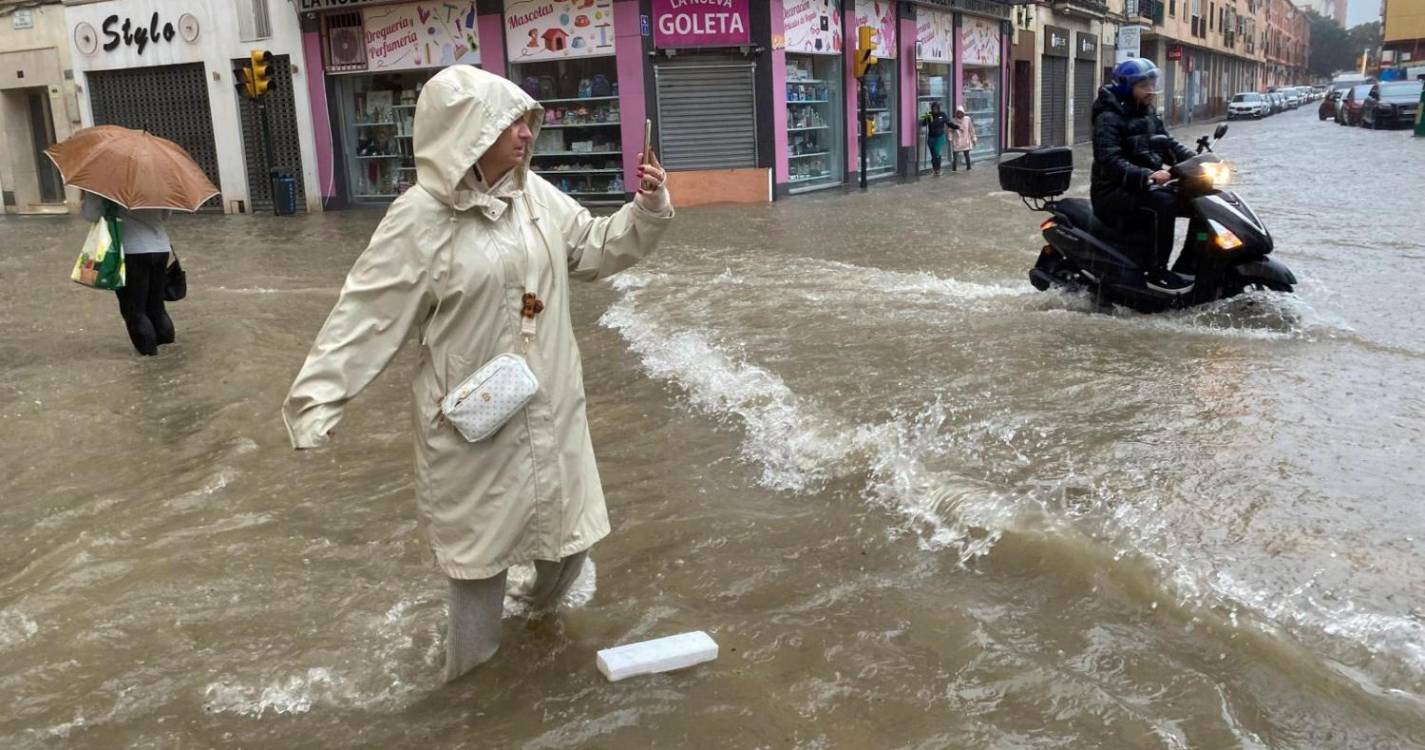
x=918 y=504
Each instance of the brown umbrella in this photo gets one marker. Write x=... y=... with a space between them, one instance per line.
x=132 y=168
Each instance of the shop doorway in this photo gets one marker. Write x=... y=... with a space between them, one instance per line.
x=167 y=100
x=42 y=137
x=1084 y=89
x=286 y=146
x=1023 y=103
x=707 y=113
x=1054 y=101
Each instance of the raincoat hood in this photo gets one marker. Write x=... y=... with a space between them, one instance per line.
x=460 y=114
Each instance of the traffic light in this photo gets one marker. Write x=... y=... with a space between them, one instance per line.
x=261 y=77
x=865 y=50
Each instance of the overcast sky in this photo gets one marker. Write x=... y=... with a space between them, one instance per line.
x=1361 y=11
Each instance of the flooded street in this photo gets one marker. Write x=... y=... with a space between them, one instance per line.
x=917 y=503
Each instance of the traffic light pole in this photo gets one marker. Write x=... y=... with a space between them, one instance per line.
x=861 y=124
x=267 y=149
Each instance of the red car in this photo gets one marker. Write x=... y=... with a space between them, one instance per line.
x=1327 y=110
x=1350 y=111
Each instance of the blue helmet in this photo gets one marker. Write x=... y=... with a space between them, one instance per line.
x=1129 y=73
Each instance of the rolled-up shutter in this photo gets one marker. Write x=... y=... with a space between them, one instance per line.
x=1054 y=101
x=707 y=114
x=1084 y=90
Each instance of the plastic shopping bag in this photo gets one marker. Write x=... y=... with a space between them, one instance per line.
x=101 y=263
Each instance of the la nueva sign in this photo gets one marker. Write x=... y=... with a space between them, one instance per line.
x=700 y=23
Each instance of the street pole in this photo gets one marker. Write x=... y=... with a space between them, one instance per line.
x=267 y=148
x=861 y=128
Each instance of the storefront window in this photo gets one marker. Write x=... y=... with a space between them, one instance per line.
x=815 y=154
x=881 y=100
x=934 y=53
x=579 y=148
x=980 y=72
x=377 y=115
x=561 y=52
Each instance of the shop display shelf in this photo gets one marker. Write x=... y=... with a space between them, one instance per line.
x=580 y=99
x=391 y=124
x=809 y=177
x=384 y=156
x=815 y=127
x=561 y=126
x=376 y=197
x=880 y=133
x=403 y=106
x=877 y=109
x=800 y=81
x=930 y=98
x=808 y=156
x=578 y=153
x=808 y=101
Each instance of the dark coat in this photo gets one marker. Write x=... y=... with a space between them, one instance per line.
x=937 y=122
x=1123 y=159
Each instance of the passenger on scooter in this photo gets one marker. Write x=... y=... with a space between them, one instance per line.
x=1127 y=166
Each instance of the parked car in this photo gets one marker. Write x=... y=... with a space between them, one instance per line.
x=1293 y=98
x=1248 y=104
x=1355 y=99
x=1390 y=104
x=1278 y=102
x=1327 y=110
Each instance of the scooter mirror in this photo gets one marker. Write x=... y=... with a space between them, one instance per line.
x=1221 y=131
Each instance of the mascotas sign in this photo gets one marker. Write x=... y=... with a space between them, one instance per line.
x=700 y=23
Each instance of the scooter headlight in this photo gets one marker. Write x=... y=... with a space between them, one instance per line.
x=1223 y=237
x=1218 y=173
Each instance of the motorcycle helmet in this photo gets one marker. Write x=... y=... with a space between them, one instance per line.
x=1130 y=73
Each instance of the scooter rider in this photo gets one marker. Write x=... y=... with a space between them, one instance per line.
x=1127 y=166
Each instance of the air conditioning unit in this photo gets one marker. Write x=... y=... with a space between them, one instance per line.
x=345 y=45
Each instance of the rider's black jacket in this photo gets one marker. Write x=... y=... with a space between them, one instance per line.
x=1123 y=157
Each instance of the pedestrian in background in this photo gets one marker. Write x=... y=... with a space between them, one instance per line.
x=963 y=140
x=478 y=257
x=146 y=249
x=936 y=123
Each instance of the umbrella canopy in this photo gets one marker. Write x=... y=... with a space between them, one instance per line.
x=132 y=168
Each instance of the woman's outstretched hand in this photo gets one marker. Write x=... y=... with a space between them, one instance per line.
x=652 y=188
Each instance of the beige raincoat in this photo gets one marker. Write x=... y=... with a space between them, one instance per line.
x=449 y=260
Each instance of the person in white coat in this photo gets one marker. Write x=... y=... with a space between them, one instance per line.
x=453 y=261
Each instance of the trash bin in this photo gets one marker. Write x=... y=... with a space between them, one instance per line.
x=284 y=195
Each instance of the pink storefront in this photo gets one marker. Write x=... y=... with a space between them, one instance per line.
x=368 y=59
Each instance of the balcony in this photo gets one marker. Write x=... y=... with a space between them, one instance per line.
x=1144 y=12
x=1085 y=8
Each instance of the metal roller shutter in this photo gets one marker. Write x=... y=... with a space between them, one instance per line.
x=1054 y=102
x=286 y=146
x=707 y=114
x=1084 y=90
x=168 y=100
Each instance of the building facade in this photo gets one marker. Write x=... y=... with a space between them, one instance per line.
x=38 y=105
x=1403 y=33
x=169 y=67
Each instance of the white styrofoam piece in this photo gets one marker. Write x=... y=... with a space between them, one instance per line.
x=657 y=655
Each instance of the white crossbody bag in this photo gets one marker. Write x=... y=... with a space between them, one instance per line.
x=491 y=396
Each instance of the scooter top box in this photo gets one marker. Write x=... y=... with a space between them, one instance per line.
x=1041 y=173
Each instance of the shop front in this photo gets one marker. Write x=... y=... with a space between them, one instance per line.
x=168 y=69
x=376 y=59
x=1085 y=84
x=37 y=108
x=935 y=75
x=565 y=53
x=1054 y=87
x=981 y=76
x=881 y=89
x=809 y=94
x=705 y=78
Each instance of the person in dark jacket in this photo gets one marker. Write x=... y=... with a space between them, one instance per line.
x=936 y=123
x=1126 y=165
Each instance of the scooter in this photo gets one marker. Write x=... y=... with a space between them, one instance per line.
x=1225 y=253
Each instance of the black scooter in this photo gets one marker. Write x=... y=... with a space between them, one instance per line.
x=1225 y=253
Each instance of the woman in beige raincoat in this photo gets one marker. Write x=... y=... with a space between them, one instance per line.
x=450 y=261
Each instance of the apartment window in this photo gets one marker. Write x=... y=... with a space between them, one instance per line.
x=1173 y=8
x=253 y=21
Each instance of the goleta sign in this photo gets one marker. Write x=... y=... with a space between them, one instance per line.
x=700 y=23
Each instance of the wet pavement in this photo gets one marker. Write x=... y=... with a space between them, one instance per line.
x=917 y=503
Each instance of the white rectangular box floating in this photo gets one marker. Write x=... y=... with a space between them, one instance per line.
x=658 y=655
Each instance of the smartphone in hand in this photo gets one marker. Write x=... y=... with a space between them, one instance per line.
x=647 y=139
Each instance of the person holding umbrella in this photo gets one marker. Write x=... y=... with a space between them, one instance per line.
x=142 y=179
